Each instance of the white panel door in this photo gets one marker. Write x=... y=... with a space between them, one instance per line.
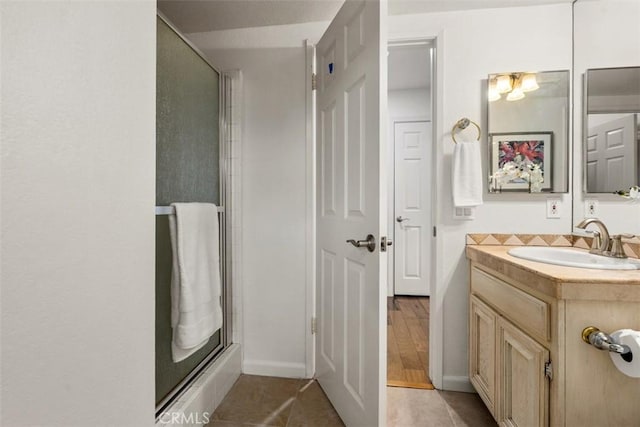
x=611 y=155
x=412 y=255
x=349 y=296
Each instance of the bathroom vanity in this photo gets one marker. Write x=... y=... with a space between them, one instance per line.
x=527 y=359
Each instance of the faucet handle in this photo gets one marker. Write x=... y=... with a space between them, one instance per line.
x=625 y=235
x=605 y=241
x=596 y=244
x=617 y=249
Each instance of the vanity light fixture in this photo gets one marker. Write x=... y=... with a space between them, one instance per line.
x=528 y=82
x=514 y=85
x=494 y=94
x=504 y=83
x=515 y=94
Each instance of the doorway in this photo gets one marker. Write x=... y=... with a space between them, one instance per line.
x=410 y=155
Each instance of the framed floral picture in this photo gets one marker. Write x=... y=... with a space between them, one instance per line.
x=521 y=161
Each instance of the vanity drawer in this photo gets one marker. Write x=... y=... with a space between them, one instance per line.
x=526 y=311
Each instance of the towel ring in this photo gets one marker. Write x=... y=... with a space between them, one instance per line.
x=462 y=124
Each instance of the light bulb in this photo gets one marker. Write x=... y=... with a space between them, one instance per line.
x=528 y=83
x=494 y=95
x=504 y=83
x=515 y=94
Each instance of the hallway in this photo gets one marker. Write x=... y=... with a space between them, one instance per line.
x=408 y=342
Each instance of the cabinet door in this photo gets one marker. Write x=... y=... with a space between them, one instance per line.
x=482 y=352
x=524 y=389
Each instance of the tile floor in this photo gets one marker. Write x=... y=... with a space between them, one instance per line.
x=284 y=402
x=278 y=402
x=432 y=408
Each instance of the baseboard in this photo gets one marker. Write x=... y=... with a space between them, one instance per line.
x=412 y=294
x=453 y=383
x=195 y=407
x=274 y=369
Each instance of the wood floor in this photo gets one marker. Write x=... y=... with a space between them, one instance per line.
x=408 y=342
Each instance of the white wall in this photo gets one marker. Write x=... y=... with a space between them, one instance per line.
x=274 y=203
x=606 y=35
x=473 y=44
x=274 y=196
x=77 y=214
x=410 y=103
x=599 y=119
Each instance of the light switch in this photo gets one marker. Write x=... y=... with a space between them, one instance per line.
x=466 y=213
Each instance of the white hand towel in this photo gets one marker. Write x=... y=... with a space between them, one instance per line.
x=195 y=281
x=467 y=174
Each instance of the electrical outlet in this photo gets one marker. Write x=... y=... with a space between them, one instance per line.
x=553 y=208
x=590 y=208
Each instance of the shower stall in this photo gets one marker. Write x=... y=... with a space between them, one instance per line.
x=191 y=166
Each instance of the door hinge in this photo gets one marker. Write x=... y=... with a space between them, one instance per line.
x=314 y=81
x=314 y=325
x=548 y=370
x=434 y=231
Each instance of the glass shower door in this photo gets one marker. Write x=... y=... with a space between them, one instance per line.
x=187 y=170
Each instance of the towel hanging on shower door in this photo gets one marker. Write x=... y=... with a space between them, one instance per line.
x=195 y=280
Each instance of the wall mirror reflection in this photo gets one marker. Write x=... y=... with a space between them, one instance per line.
x=528 y=127
x=611 y=133
x=596 y=47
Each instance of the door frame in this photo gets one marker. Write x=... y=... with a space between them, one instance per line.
x=436 y=313
x=436 y=297
x=310 y=220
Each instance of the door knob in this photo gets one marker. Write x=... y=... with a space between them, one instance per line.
x=369 y=243
x=400 y=219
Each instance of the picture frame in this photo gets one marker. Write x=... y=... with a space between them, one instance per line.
x=522 y=148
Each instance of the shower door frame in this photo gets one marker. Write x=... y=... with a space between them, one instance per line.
x=225 y=228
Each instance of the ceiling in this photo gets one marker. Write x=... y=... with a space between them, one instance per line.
x=194 y=16
x=211 y=15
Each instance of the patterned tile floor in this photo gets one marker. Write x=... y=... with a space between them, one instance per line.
x=284 y=402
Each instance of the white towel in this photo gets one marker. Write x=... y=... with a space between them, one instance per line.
x=195 y=281
x=467 y=174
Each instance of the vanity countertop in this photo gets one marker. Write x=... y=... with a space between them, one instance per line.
x=559 y=281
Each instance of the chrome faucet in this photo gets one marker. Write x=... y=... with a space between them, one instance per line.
x=601 y=239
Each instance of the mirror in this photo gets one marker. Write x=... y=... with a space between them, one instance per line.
x=611 y=133
x=528 y=127
x=606 y=35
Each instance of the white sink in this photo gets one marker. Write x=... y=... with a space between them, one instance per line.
x=573 y=258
